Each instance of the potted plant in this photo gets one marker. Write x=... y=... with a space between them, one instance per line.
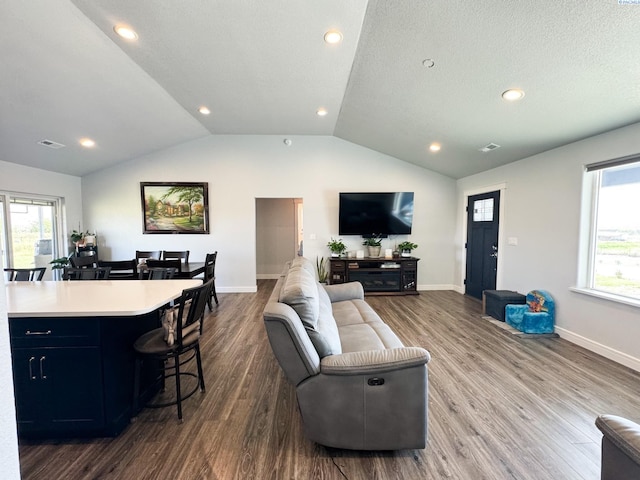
x=77 y=237
x=373 y=244
x=406 y=247
x=337 y=247
x=59 y=264
x=321 y=267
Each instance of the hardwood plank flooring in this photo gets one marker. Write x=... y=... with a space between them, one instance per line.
x=500 y=407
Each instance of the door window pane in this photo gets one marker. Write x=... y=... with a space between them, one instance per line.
x=483 y=210
x=32 y=233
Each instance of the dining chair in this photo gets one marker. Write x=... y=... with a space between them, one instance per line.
x=182 y=255
x=123 y=269
x=210 y=274
x=147 y=254
x=177 y=264
x=157 y=273
x=88 y=273
x=24 y=274
x=179 y=336
x=84 y=261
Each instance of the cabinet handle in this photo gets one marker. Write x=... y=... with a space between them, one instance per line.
x=29 y=332
x=42 y=375
x=31 y=375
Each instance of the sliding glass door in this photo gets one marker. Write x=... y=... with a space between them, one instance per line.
x=29 y=227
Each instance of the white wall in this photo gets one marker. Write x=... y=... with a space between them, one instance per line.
x=542 y=209
x=19 y=179
x=240 y=169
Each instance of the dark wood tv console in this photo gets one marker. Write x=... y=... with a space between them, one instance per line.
x=379 y=276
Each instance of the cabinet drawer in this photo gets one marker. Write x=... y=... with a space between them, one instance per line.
x=28 y=332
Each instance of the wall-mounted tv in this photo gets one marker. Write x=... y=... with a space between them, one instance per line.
x=386 y=213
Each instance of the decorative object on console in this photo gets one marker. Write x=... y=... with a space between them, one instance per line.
x=536 y=316
x=337 y=247
x=321 y=268
x=175 y=207
x=406 y=248
x=373 y=244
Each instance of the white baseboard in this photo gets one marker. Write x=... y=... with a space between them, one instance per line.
x=268 y=276
x=436 y=287
x=253 y=289
x=607 y=352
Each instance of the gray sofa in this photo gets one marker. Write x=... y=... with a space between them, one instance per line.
x=620 y=448
x=358 y=386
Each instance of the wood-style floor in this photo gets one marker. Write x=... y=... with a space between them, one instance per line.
x=500 y=407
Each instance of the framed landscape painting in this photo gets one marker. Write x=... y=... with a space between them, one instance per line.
x=175 y=207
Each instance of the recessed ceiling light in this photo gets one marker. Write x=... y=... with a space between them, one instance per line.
x=435 y=147
x=513 y=94
x=321 y=112
x=125 y=32
x=204 y=110
x=332 y=37
x=87 y=142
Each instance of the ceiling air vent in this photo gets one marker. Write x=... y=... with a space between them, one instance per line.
x=488 y=148
x=50 y=144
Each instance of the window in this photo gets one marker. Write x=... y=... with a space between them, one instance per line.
x=28 y=231
x=614 y=247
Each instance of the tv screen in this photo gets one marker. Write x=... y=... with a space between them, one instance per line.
x=386 y=213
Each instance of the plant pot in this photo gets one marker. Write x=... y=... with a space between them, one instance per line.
x=406 y=253
x=374 y=252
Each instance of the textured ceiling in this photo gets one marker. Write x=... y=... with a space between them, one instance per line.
x=263 y=68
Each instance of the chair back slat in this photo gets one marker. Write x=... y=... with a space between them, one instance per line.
x=24 y=274
x=97 y=273
x=195 y=300
x=157 y=273
x=147 y=254
x=177 y=264
x=182 y=255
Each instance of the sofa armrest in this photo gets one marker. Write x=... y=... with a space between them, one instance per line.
x=374 y=361
x=623 y=433
x=345 y=291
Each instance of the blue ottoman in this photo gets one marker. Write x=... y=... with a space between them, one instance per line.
x=494 y=302
x=537 y=316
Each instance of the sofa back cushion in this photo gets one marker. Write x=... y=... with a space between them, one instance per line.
x=310 y=301
x=300 y=292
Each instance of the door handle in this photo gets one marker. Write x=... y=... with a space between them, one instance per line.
x=42 y=375
x=31 y=375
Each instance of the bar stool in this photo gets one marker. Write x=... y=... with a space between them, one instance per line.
x=179 y=337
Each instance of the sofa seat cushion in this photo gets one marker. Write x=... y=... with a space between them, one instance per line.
x=368 y=336
x=354 y=312
x=361 y=328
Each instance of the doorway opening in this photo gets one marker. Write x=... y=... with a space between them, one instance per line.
x=279 y=234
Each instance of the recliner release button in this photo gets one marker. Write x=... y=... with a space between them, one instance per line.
x=375 y=381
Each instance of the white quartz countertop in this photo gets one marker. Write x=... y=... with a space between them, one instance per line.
x=91 y=297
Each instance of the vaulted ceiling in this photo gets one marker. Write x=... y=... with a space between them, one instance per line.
x=407 y=73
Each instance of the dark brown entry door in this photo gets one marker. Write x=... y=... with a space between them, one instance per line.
x=482 y=243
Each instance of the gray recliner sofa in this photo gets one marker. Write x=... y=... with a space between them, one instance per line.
x=358 y=387
x=620 y=448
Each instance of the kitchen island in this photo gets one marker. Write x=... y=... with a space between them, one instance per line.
x=72 y=351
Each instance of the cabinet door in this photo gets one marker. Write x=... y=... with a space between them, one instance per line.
x=28 y=387
x=74 y=377
x=58 y=389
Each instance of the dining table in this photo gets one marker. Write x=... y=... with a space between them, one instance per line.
x=72 y=351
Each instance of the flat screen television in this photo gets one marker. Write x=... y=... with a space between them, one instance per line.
x=385 y=213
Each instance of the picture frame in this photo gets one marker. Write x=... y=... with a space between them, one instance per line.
x=175 y=207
